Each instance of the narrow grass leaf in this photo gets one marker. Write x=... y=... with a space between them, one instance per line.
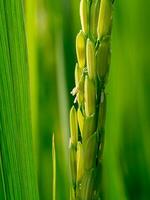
x=54 y=167
x=15 y=133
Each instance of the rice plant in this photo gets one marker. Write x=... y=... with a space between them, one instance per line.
x=88 y=120
x=109 y=148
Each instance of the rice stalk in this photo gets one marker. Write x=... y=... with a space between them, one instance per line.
x=87 y=122
x=54 y=167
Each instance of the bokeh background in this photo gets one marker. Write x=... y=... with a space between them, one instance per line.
x=51 y=28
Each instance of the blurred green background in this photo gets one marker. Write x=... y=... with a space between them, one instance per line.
x=51 y=28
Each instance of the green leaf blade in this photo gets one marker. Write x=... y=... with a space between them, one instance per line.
x=15 y=133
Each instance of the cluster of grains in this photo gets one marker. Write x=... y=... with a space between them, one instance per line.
x=87 y=121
